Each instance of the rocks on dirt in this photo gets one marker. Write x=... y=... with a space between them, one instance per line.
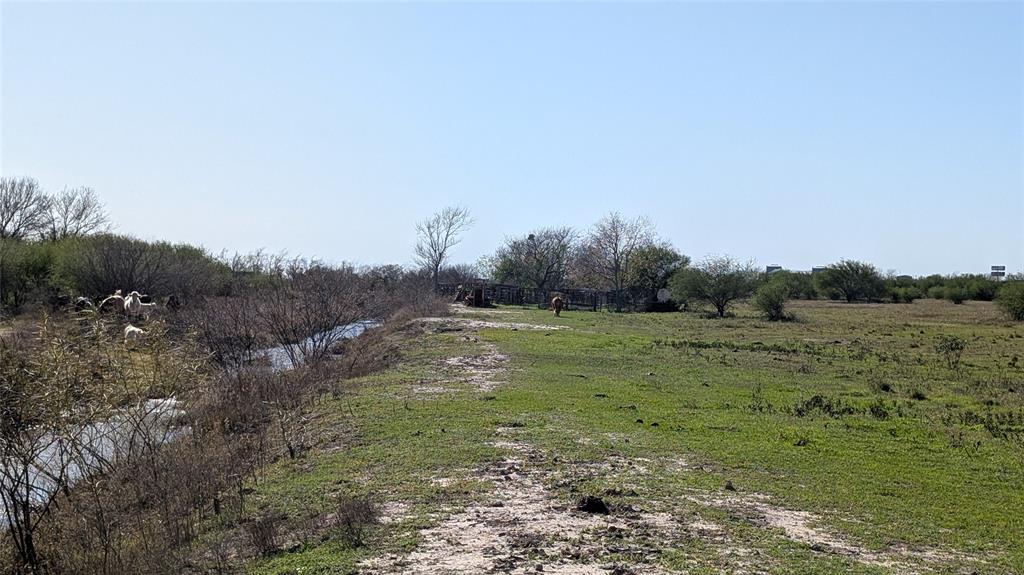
x=591 y=504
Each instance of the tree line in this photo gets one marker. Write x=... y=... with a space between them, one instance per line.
x=620 y=254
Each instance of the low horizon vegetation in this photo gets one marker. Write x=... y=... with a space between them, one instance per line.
x=55 y=248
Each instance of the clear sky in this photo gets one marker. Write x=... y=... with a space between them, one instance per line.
x=791 y=133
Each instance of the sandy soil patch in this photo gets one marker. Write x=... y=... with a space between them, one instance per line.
x=523 y=527
x=466 y=323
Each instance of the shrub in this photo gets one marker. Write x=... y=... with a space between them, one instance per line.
x=719 y=281
x=770 y=300
x=1011 y=300
x=353 y=517
x=263 y=533
x=951 y=348
x=911 y=293
x=955 y=294
x=904 y=294
x=821 y=405
x=852 y=281
x=936 y=292
x=799 y=285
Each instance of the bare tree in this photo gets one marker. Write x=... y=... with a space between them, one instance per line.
x=75 y=212
x=606 y=253
x=24 y=208
x=539 y=260
x=459 y=273
x=437 y=235
x=315 y=307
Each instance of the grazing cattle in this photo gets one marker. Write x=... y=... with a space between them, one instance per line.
x=133 y=305
x=132 y=334
x=82 y=303
x=116 y=302
x=557 y=304
x=173 y=303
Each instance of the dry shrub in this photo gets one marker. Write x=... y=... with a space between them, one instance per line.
x=352 y=519
x=263 y=533
x=142 y=510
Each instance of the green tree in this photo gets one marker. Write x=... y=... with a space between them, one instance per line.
x=852 y=280
x=1010 y=299
x=799 y=285
x=718 y=280
x=653 y=265
x=537 y=260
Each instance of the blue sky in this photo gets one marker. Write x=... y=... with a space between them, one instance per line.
x=791 y=133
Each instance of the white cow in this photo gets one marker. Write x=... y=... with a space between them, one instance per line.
x=132 y=334
x=133 y=305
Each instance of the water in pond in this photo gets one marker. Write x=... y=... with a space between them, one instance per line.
x=280 y=357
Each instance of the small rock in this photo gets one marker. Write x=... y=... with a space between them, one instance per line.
x=655 y=424
x=591 y=504
x=639 y=421
x=650 y=373
x=539 y=567
x=729 y=486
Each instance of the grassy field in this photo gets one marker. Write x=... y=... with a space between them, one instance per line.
x=845 y=441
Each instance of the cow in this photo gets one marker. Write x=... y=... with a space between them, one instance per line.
x=83 y=303
x=173 y=303
x=556 y=305
x=116 y=302
x=133 y=305
x=132 y=334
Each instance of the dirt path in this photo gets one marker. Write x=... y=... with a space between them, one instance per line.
x=523 y=527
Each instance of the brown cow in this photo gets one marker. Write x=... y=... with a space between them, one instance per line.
x=556 y=305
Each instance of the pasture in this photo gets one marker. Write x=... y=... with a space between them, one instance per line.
x=856 y=439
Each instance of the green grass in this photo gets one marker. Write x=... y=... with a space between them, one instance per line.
x=938 y=464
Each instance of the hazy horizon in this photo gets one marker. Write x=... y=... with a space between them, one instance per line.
x=789 y=133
